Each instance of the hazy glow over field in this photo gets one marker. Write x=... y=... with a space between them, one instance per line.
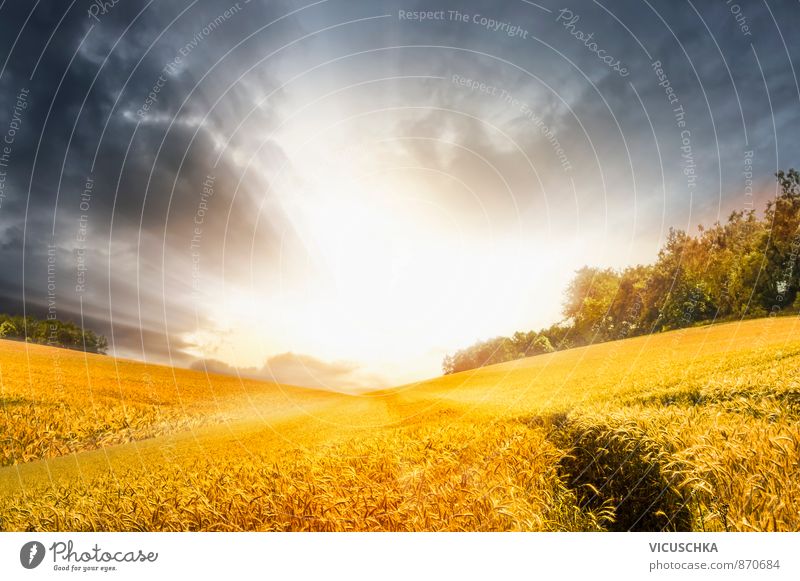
x=386 y=262
x=387 y=189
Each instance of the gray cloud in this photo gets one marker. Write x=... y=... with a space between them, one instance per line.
x=303 y=370
x=149 y=170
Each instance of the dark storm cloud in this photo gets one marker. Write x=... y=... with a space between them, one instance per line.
x=109 y=68
x=715 y=73
x=92 y=117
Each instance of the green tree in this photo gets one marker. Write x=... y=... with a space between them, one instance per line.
x=746 y=267
x=8 y=330
x=778 y=286
x=588 y=303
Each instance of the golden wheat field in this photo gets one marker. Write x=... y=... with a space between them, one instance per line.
x=696 y=429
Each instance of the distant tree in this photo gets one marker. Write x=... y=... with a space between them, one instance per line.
x=51 y=332
x=529 y=344
x=627 y=309
x=7 y=329
x=732 y=275
x=746 y=267
x=560 y=335
x=781 y=273
x=489 y=352
x=589 y=298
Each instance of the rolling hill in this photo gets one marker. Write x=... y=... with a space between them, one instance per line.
x=695 y=429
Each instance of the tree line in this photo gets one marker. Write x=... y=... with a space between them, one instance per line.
x=747 y=267
x=51 y=332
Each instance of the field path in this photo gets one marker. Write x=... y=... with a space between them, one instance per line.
x=131 y=430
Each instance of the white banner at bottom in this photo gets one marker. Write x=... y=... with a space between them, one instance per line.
x=389 y=556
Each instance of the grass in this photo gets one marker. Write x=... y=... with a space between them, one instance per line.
x=694 y=429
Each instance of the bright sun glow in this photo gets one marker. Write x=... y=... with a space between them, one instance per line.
x=381 y=267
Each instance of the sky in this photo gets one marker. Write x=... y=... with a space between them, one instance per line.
x=339 y=193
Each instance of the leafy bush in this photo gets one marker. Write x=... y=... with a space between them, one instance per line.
x=745 y=268
x=51 y=332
